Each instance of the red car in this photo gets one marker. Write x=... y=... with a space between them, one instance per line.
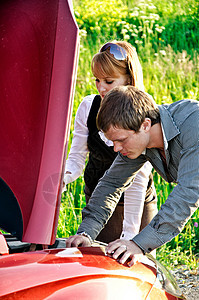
x=84 y=273
x=39 y=53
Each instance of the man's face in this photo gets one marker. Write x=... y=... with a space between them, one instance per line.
x=128 y=142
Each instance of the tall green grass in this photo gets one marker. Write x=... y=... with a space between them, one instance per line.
x=165 y=34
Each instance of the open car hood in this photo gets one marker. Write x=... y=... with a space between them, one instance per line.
x=39 y=53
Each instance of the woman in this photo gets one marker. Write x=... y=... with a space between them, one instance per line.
x=116 y=64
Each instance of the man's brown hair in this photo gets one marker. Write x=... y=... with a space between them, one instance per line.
x=126 y=107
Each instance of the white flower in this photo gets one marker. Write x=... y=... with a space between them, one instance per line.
x=163 y=52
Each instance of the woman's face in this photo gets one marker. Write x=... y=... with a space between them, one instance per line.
x=105 y=84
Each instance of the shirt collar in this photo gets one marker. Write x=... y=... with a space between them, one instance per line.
x=169 y=128
x=167 y=123
x=164 y=137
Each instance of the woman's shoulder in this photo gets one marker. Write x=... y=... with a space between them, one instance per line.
x=84 y=108
x=88 y=98
x=87 y=102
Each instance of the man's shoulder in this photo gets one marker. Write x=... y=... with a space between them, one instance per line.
x=181 y=105
x=179 y=118
x=180 y=109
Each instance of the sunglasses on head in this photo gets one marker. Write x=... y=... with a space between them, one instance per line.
x=117 y=51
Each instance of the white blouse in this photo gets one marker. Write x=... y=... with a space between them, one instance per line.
x=134 y=196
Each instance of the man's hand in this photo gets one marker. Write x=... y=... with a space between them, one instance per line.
x=33 y=247
x=77 y=241
x=124 y=250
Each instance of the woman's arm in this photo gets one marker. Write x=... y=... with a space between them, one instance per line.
x=134 y=198
x=76 y=159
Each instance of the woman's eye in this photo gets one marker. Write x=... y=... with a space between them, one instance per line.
x=97 y=80
x=109 y=82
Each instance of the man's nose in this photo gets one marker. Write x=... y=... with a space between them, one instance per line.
x=117 y=147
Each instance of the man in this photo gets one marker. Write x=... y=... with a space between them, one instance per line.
x=165 y=135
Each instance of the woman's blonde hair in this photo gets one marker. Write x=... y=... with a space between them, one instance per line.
x=105 y=64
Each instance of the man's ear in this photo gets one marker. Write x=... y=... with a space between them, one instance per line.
x=146 y=125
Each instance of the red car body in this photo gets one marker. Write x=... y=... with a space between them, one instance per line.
x=39 y=51
x=84 y=273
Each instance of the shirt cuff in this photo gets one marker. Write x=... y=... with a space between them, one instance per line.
x=148 y=239
x=68 y=178
x=86 y=235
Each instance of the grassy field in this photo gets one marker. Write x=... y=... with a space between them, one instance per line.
x=165 y=34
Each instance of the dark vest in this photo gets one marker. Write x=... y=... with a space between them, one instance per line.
x=101 y=156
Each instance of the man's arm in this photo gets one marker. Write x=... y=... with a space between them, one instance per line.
x=179 y=206
x=172 y=216
x=106 y=196
x=108 y=192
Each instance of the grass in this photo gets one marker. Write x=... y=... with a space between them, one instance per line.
x=165 y=34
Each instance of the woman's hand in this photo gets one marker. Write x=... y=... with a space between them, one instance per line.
x=64 y=184
x=124 y=251
x=78 y=241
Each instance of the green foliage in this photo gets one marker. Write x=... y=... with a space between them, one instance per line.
x=115 y=20
x=99 y=18
x=184 y=248
x=165 y=34
x=145 y=24
x=73 y=202
x=170 y=76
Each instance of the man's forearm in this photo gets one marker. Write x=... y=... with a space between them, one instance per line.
x=148 y=240
x=170 y=220
x=107 y=194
